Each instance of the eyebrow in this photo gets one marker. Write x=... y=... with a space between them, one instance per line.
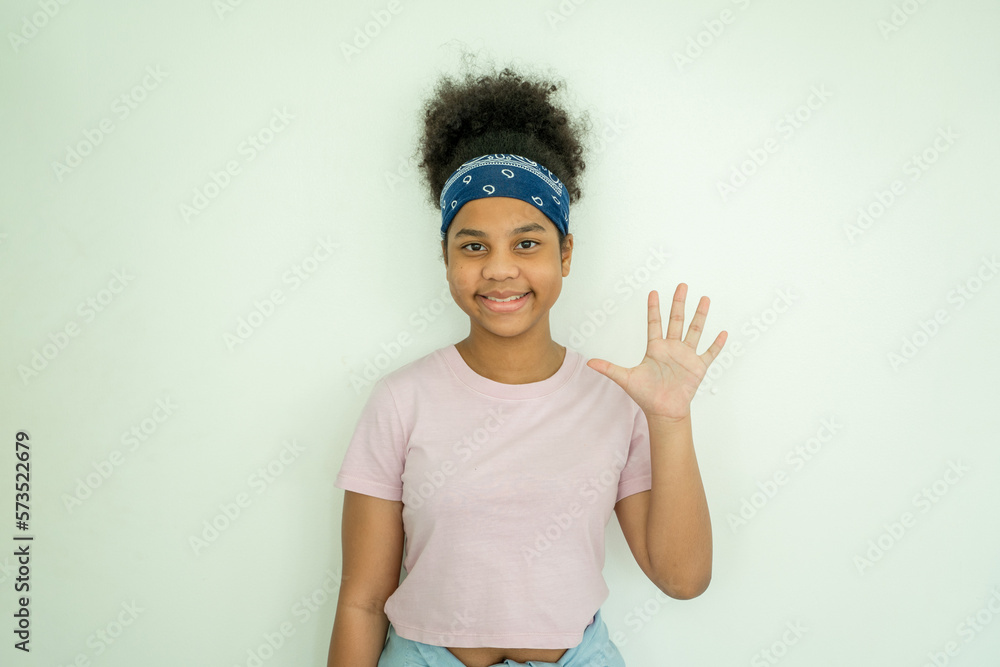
x=533 y=227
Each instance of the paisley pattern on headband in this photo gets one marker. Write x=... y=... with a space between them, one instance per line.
x=505 y=175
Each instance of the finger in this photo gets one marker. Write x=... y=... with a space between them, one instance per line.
x=654 y=329
x=676 y=325
x=713 y=351
x=697 y=323
x=616 y=373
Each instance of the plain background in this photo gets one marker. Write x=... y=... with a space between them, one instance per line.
x=857 y=343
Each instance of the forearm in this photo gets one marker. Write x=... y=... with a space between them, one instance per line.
x=678 y=526
x=358 y=636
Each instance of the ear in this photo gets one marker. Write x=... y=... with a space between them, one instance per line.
x=567 y=255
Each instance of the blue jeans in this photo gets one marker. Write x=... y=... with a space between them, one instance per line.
x=595 y=650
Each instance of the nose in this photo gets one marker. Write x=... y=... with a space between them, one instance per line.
x=499 y=266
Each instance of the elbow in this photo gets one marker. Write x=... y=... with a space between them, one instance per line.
x=685 y=578
x=686 y=590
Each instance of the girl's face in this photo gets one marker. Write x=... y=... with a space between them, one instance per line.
x=506 y=245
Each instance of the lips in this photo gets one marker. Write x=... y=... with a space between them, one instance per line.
x=504 y=295
x=504 y=307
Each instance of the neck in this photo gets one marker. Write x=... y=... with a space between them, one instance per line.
x=512 y=360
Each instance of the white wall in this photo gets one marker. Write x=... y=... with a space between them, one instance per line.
x=852 y=343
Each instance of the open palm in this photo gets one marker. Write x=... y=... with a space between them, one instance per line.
x=665 y=381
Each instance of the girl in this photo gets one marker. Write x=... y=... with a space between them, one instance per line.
x=499 y=459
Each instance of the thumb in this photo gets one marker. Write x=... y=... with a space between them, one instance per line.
x=616 y=373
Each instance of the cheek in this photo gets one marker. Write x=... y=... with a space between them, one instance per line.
x=552 y=281
x=552 y=288
x=461 y=282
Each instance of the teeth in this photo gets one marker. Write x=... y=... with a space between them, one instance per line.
x=511 y=298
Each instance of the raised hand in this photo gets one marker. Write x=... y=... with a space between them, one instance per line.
x=665 y=381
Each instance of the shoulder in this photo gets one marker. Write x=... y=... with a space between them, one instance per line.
x=405 y=383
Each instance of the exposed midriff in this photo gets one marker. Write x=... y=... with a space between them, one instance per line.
x=487 y=657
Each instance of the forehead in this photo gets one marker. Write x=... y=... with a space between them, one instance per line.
x=497 y=216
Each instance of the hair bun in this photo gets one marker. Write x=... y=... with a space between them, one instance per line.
x=505 y=112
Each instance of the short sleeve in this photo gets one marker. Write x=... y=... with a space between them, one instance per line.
x=373 y=464
x=637 y=475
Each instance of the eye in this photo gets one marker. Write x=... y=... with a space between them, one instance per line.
x=469 y=245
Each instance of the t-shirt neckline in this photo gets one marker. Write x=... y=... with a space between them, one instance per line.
x=484 y=385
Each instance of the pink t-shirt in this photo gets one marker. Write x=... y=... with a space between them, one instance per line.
x=506 y=490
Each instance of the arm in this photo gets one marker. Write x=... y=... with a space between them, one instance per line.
x=372 y=547
x=678 y=527
x=358 y=636
x=673 y=541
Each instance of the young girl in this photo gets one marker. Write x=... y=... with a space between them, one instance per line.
x=500 y=458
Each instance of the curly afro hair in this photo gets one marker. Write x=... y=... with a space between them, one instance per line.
x=505 y=112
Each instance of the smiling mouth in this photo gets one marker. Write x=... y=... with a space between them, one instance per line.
x=516 y=304
x=507 y=300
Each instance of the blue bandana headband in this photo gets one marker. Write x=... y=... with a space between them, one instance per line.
x=505 y=175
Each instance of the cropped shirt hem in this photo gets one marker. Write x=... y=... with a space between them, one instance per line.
x=506 y=640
